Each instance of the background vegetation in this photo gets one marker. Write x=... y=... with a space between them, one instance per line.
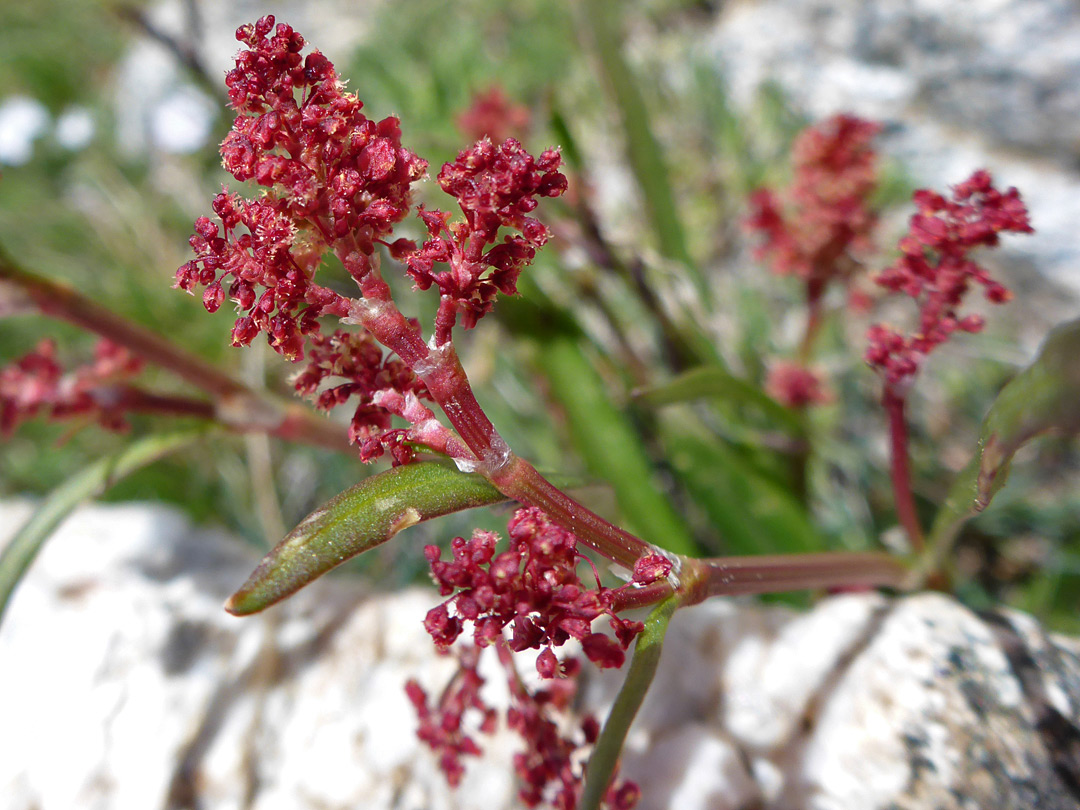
x=668 y=285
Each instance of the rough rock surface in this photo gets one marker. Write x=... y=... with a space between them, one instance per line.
x=961 y=86
x=124 y=685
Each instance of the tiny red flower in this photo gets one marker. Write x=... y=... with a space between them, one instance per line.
x=36 y=383
x=935 y=269
x=794 y=385
x=814 y=228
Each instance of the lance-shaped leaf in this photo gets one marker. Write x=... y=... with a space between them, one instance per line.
x=356 y=520
x=1043 y=397
x=716 y=382
x=605 y=756
x=93 y=480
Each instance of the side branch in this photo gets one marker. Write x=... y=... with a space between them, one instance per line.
x=737 y=576
x=236 y=405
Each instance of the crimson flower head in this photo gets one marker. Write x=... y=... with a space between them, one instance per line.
x=794 y=385
x=496 y=187
x=812 y=229
x=37 y=383
x=532 y=588
x=334 y=180
x=936 y=270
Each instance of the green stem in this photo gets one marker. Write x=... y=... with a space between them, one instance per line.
x=646 y=156
x=605 y=755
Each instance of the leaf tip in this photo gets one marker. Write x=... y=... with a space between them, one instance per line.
x=241 y=604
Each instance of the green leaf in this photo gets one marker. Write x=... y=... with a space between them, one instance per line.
x=639 y=677
x=89 y=482
x=604 y=21
x=356 y=520
x=752 y=513
x=713 y=381
x=1043 y=397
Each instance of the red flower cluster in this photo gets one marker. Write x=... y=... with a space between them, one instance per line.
x=357 y=358
x=549 y=767
x=493 y=115
x=794 y=385
x=812 y=230
x=443 y=728
x=533 y=587
x=546 y=767
x=36 y=383
x=327 y=162
x=270 y=256
x=936 y=271
x=336 y=180
x=496 y=187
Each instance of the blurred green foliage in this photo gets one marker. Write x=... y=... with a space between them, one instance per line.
x=115 y=225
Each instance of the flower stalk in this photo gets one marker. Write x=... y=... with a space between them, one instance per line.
x=233 y=404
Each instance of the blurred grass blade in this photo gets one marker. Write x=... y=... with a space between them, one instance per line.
x=358 y=519
x=1043 y=397
x=713 y=381
x=639 y=677
x=751 y=512
x=610 y=445
x=603 y=19
x=89 y=482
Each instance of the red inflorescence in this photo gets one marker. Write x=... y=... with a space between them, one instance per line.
x=493 y=115
x=549 y=766
x=37 y=383
x=442 y=727
x=335 y=180
x=496 y=187
x=533 y=587
x=794 y=385
x=936 y=271
x=359 y=360
x=813 y=229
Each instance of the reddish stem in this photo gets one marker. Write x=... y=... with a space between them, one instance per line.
x=235 y=404
x=130 y=399
x=520 y=480
x=894 y=401
x=445 y=378
x=735 y=576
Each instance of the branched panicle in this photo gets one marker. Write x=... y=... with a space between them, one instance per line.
x=337 y=181
x=443 y=726
x=496 y=187
x=533 y=588
x=814 y=229
x=36 y=383
x=549 y=766
x=368 y=375
x=334 y=178
x=936 y=270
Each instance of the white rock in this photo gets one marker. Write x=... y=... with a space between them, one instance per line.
x=119 y=663
x=960 y=86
